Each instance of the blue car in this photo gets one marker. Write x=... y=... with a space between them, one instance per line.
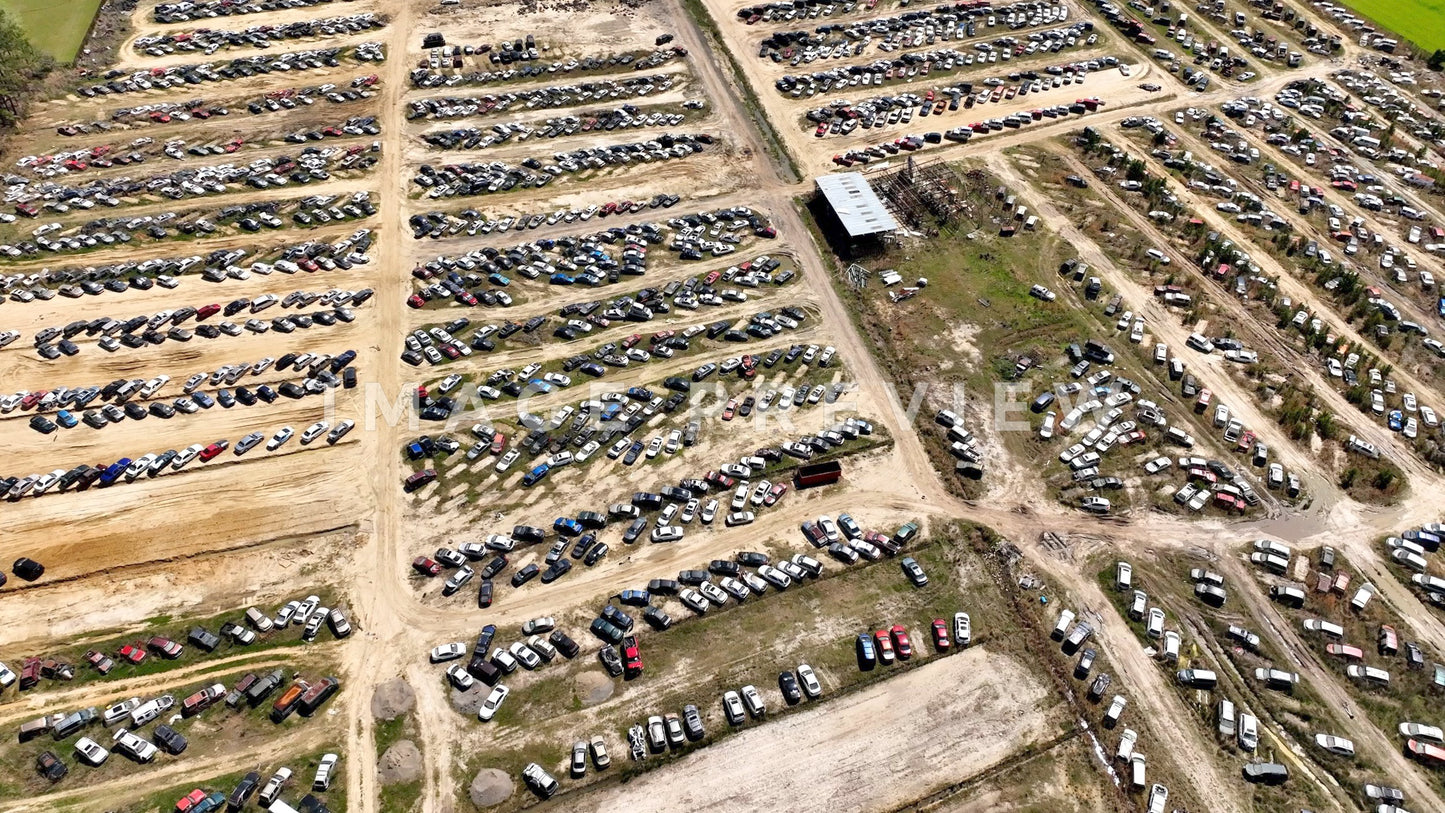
x=538 y=385
x=1397 y=420
x=536 y=475
x=115 y=471
x=866 y=655
x=498 y=279
x=65 y=419
x=567 y=526
x=560 y=278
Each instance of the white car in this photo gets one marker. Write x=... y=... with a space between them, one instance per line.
x=1421 y=731
x=272 y=789
x=1336 y=745
x=809 y=681
x=507 y=460
x=709 y=512
x=91 y=752
x=279 y=439
x=323 y=772
x=448 y=652
x=962 y=630
x=139 y=749
x=119 y=712
x=493 y=702
x=314 y=431
x=7 y=677
x=459 y=676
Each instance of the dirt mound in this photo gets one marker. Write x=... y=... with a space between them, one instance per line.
x=392 y=699
x=594 y=688
x=491 y=787
x=401 y=763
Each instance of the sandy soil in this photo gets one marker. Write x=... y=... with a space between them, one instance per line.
x=819 y=754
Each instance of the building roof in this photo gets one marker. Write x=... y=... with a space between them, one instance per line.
x=856 y=204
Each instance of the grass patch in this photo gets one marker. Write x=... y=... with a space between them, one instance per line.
x=109 y=643
x=56 y=27
x=1420 y=21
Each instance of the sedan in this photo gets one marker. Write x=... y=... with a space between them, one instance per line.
x=901 y=642
x=788 y=684
x=1335 y=745
x=914 y=572
x=941 y=640
x=811 y=687
x=494 y=700
x=448 y=652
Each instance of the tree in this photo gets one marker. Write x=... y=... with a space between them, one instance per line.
x=21 y=68
x=1437 y=60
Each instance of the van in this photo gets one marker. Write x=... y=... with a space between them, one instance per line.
x=1139 y=605
x=1136 y=770
x=1126 y=744
x=286 y=703
x=1180 y=437
x=1287 y=595
x=1224 y=715
x=1061 y=626
x=1329 y=628
x=1362 y=596
x=1248 y=736
x=1197 y=678
x=34 y=728
x=1270 y=562
x=1115 y=710
x=73 y=723
x=1077 y=637
x=1123 y=576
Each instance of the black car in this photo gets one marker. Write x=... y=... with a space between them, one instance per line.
x=169 y=739
x=27 y=569
x=723 y=567
x=618 y=618
x=492 y=568
x=1086 y=663
x=525 y=575
x=789 y=686
x=49 y=766
x=135 y=411
x=564 y=643
x=1268 y=773
x=484 y=594
x=244 y=790
x=611 y=661
x=657 y=618
x=752 y=558
x=595 y=555
x=559 y=568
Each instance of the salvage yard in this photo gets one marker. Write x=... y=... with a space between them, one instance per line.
x=418 y=406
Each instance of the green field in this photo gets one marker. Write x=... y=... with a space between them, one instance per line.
x=56 y=27
x=1419 y=21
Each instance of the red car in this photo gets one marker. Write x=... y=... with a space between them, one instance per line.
x=165 y=647
x=499 y=442
x=940 y=635
x=207 y=311
x=415 y=301
x=210 y=452
x=631 y=656
x=885 y=646
x=900 y=640
x=426 y=567
x=135 y=653
x=190 y=800
x=775 y=493
x=731 y=408
x=100 y=661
